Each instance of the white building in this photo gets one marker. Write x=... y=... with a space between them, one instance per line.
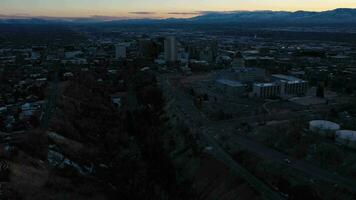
x=323 y=127
x=264 y=90
x=170 y=49
x=290 y=85
x=281 y=85
x=346 y=138
x=120 y=51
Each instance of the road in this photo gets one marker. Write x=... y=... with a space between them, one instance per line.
x=270 y=154
x=50 y=101
x=267 y=103
x=194 y=118
x=211 y=128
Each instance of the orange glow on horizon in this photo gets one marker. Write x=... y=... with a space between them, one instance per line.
x=157 y=8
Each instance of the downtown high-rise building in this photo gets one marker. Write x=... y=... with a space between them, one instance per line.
x=170 y=49
x=120 y=51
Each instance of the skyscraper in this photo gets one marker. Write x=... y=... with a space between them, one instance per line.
x=120 y=51
x=170 y=49
x=147 y=49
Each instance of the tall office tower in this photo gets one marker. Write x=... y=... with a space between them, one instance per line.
x=147 y=49
x=120 y=51
x=170 y=49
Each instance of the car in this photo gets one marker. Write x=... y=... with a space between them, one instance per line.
x=286 y=160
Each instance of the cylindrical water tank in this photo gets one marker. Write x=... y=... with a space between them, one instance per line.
x=347 y=138
x=323 y=127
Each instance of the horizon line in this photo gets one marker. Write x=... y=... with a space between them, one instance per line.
x=148 y=14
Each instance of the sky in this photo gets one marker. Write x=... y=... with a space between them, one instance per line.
x=155 y=8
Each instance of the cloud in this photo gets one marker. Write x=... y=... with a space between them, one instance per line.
x=15 y=16
x=184 y=13
x=106 y=17
x=203 y=12
x=142 y=13
x=232 y=11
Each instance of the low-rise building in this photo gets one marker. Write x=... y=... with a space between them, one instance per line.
x=290 y=85
x=230 y=87
x=250 y=74
x=264 y=90
x=282 y=86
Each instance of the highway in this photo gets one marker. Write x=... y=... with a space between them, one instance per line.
x=209 y=129
x=270 y=154
x=195 y=119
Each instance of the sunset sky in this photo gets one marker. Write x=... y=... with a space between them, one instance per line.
x=156 y=8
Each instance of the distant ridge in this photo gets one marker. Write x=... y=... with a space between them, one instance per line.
x=337 y=17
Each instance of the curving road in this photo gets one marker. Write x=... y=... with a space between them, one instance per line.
x=194 y=118
x=270 y=154
x=210 y=128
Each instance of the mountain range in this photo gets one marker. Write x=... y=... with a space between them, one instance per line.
x=346 y=16
x=341 y=15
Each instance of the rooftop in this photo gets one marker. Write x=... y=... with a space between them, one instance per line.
x=283 y=77
x=264 y=84
x=229 y=82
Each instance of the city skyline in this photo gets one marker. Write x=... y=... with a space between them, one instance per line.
x=120 y=9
